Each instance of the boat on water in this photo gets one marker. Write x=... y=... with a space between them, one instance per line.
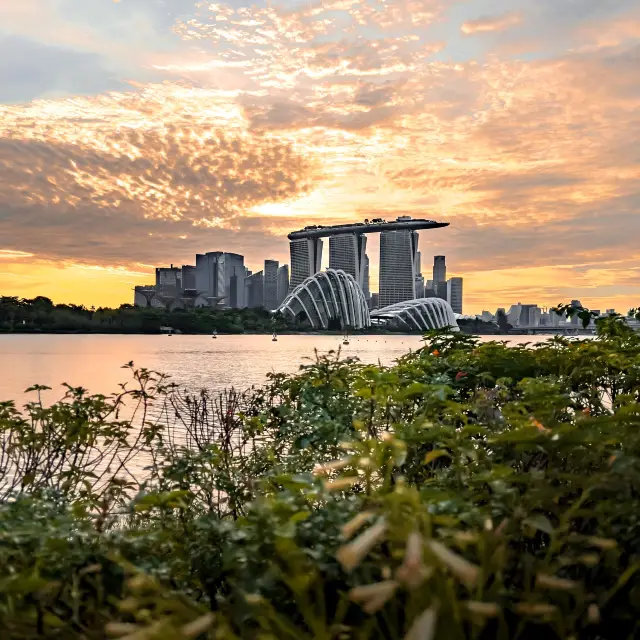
x=275 y=337
x=215 y=335
x=346 y=339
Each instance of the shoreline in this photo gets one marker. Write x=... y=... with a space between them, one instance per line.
x=223 y=333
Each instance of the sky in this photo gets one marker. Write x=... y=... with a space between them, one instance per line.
x=137 y=133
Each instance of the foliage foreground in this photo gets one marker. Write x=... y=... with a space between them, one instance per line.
x=470 y=491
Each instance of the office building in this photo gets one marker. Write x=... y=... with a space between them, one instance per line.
x=429 y=291
x=220 y=274
x=439 y=269
x=365 y=287
x=188 y=277
x=306 y=259
x=348 y=252
x=524 y=315
x=271 y=284
x=440 y=277
x=374 y=301
x=283 y=283
x=168 y=281
x=549 y=318
x=397 y=265
x=454 y=294
x=254 y=290
x=419 y=278
x=576 y=304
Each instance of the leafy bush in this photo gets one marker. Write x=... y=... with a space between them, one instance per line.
x=469 y=491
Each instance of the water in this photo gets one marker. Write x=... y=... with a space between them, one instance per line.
x=195 y=362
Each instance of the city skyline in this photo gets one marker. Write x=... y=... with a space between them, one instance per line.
x=135 y=130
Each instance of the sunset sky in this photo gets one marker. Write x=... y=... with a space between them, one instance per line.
x=139 y=132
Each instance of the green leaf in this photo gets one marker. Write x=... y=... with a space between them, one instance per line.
x=540 y=522
x=435 y=454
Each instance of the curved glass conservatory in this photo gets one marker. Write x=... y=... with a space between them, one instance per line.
x=423 y=314
x=328 y=296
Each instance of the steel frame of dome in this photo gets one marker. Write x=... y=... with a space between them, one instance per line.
x=328 y=295
x=423 y=314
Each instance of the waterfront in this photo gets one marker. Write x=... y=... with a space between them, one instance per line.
x=195 y=362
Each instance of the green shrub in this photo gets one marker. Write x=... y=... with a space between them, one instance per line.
x=473 y=490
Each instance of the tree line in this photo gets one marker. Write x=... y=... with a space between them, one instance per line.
x=41 y=315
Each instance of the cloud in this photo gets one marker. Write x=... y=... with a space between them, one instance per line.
x=91 y=173
x=31 y=70
x=488 y=24
x=333 y=111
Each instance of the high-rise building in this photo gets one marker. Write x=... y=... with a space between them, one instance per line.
x=524 y=315
x=429 y=290
x=366 y=284
x=349 y=252
x=168 y=281
x=420 y=288
x=375 y=301
x=397 y=265
x=220 y=274
x=271 y=284
x=440 y=277
x=439 y=269
x=306 y=259
x=283 y=283
x=454 y=294
x=576 y=304
x=188 y=277
x=419 y=280
x=254 y=290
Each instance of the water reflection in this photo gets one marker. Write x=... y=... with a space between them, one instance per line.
x=195 y=362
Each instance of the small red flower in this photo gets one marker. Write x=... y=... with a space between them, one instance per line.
x=460 y=375
x=435 y=352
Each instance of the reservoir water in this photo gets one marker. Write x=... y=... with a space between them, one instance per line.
x=195 y=362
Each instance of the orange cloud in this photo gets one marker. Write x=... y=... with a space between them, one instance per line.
x=534 y=162
x=488 y=24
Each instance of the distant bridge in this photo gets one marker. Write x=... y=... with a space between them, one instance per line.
x=560 y=331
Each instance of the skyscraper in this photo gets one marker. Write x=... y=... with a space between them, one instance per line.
x=576 y=304
x=168 y=281
x=397 y=265
x=365 y=286
x=440 y=277
x=419 y=286
x=348 y=252
x=306 y=259
x=283 y=283
x=254 y=290
x=419 y=279
x=454 y=294
x=188 y=277
x=220 y=274
x=439 y=269
x=271 y=284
